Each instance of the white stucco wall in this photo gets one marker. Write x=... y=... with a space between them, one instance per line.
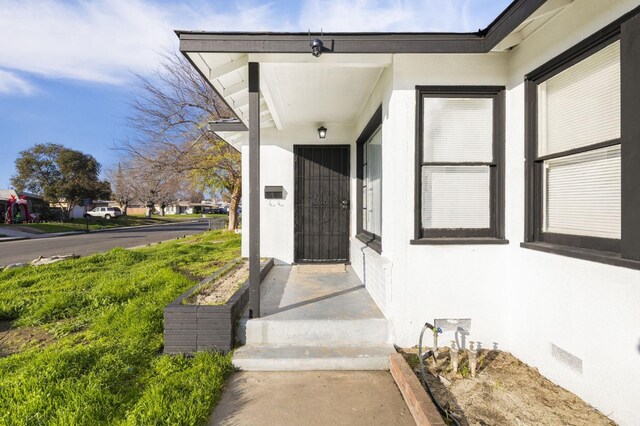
x=589 y=309
x=518 y=299
x=453 y=281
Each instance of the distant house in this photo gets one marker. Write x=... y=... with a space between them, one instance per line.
x=491 y=175
x=137 y=209
x=78 y=212
x=178 y=207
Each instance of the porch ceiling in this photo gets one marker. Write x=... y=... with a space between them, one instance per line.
x=317 y=93
x=295 y=89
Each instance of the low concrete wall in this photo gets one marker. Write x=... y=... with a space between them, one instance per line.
x=191 y=328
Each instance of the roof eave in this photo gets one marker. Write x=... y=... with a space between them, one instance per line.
x=340 y=42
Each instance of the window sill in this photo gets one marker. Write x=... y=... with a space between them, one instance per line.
x=460 y=241
x=606 y=257
x=370 y=241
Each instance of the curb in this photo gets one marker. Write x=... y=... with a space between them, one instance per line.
x=7 y=239
x=422 y=409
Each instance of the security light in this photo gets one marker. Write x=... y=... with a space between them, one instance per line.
x=316 y=47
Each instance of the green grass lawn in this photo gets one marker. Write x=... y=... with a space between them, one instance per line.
x=116 y=222
x=102 y=361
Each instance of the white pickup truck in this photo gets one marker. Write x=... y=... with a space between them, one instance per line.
x=104 y=212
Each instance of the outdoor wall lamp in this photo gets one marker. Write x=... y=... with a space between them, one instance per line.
x=322 y=132
x=316 y=47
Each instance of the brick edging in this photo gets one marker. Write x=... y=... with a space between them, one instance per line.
x=422 y=409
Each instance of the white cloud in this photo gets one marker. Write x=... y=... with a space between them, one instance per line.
x=104 y=40
x=12 y=84
x=390 y=15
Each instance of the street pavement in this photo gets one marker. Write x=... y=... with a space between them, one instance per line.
x=25 y=251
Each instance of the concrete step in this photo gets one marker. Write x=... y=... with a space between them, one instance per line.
x=311 y=358
x=263 y=331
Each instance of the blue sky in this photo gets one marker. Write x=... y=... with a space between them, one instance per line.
x=66 y=66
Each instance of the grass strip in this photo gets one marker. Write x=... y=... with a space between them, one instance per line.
x=105 y=313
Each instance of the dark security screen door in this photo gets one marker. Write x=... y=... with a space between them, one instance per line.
x=321 y=203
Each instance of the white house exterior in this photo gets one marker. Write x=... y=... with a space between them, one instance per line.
x=541 y=253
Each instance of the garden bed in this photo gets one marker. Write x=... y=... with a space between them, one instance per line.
x=505 y=391
x=203 y=317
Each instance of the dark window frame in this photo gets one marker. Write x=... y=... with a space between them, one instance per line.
x=368 y=238
x=495 y=233
x=626 y=250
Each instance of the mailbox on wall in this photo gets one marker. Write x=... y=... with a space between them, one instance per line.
x=274 y=192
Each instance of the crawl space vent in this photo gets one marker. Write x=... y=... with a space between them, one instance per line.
x=566 y=358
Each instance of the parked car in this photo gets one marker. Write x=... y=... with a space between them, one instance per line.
x=104 y=212
x=220 y=210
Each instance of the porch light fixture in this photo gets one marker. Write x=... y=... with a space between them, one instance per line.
x=322 y=132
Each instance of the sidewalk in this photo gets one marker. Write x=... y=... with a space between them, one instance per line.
x=13 y=235
x=312 y=398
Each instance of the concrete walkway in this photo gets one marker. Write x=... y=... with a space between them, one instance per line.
x=312 y=398
x=14 y=233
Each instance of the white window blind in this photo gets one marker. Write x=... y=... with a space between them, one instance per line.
x=372 y=196
x=455 y=197
x=582 y=194
x=458 y=129
x=581 y=105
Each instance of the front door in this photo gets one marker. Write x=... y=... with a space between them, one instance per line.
x=321 y=203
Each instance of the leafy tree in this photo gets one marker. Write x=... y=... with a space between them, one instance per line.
x=60 y=174
x=170 y=121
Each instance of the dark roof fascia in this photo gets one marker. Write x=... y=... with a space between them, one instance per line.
x=340 y=42
x=333 y=42
x=514 y=15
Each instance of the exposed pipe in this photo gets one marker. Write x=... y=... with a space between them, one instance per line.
x=454 y=357
x=421 y=357
x=473 y=359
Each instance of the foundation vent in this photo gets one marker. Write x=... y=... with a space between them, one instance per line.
x=566 y=358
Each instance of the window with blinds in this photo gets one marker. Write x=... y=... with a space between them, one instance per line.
x=458 y=129
x=457 y=164
x=579 y=147
x=581 y=105
x=372 y=184
x=455 y=197
x=582 y=193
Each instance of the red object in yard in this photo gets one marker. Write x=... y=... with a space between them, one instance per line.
x=14 y=213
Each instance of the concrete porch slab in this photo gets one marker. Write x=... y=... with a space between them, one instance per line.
x=312 y=398
x=320 y=269
x=314 y=321
x=287 y=294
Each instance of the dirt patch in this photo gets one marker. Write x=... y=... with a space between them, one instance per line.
x=219 y=290
x=14 y=340
x=505 y=391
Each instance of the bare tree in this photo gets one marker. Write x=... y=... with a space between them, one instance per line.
x=155 y=185
x=171 y=112
x=123 y=185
